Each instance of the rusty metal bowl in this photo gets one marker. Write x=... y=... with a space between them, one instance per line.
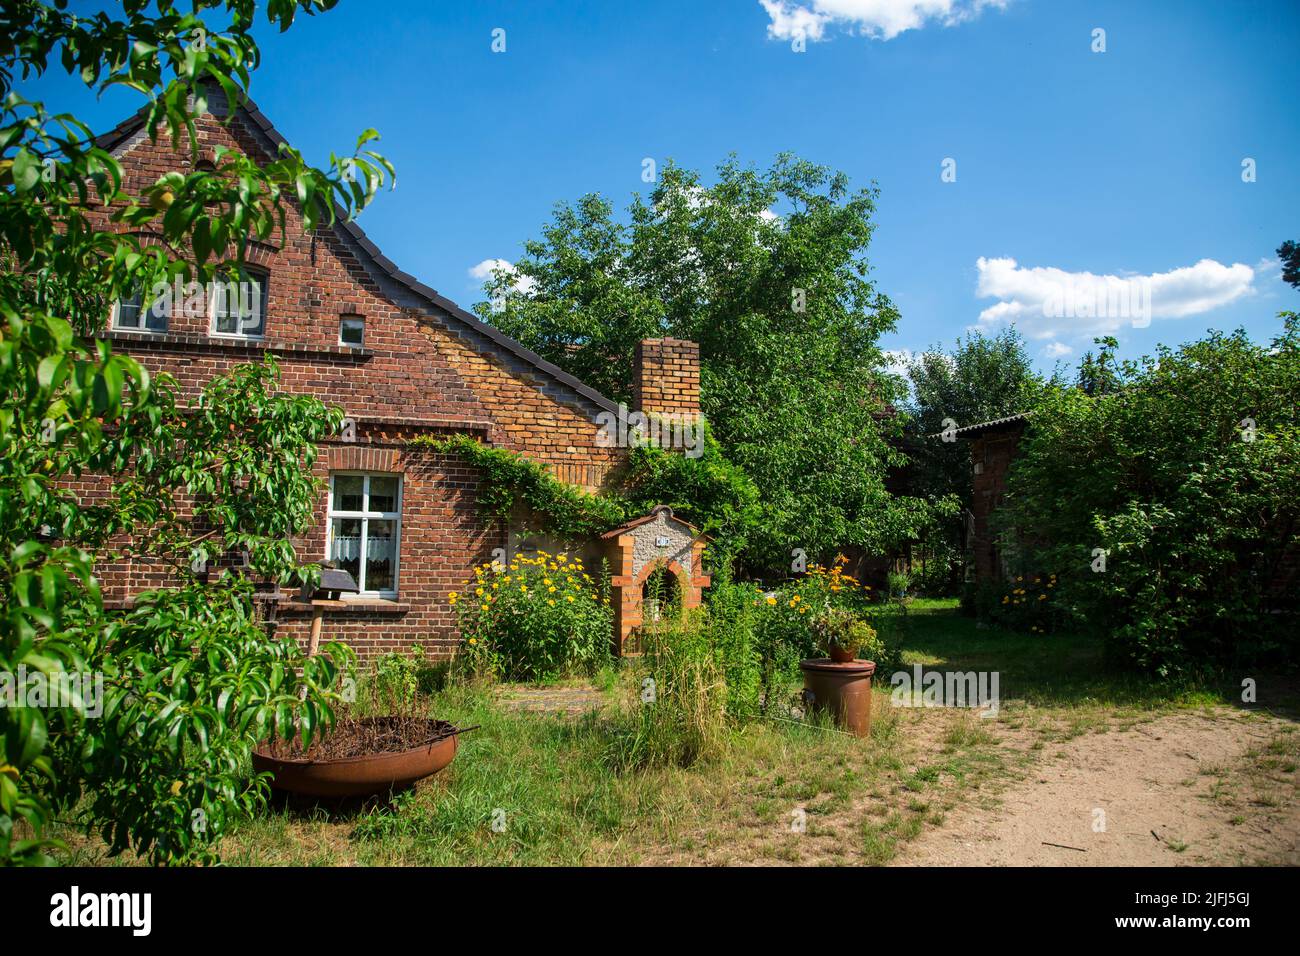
x=363 y=776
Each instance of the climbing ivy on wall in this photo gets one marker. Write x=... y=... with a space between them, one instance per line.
x=510 y=479
x=707 y=491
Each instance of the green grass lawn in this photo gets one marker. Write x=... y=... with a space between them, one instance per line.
x=530 y=788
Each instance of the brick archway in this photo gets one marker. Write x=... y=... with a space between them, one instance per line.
x=627 y=551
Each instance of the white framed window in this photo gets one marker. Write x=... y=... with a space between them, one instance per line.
x=238 y=305
x=134 y=314
x=365 y=524
x=352 y=330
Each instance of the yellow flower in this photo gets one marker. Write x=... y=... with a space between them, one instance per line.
x=523 y=589
x=1019 y=579
x=771 y=600
x=551 y=589
x=1006 y=600
x=793 y=603
x=546 y=580
x=473 y=640
x=478 y=591
x=795 y=598
x=176 y=787
x=569 y=598
x=551 y=601
x=495 y=585
x=483 y=606
x=803 y=610
x=1042 y=597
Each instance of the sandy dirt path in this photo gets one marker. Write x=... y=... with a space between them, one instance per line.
x=1184 y=789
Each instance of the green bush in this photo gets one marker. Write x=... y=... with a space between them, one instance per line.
x=732 y=628
x=537 y=618
x=1185 y=481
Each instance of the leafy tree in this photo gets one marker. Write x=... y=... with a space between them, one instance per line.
x=191 y=679
x=981 y=379
x=1186 y=481
x=767 y=271
x=1289 y=253
x=1101 y=374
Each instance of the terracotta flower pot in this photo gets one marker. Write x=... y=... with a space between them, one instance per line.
x=842 y=690
x=843 y=655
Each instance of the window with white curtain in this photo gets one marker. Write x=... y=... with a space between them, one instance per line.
x=365 y=517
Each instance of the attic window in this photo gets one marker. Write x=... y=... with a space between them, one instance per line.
x=352 y=329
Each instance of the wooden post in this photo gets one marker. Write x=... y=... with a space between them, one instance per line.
x=317 y=619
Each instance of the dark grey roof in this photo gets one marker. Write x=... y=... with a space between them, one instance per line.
x=970 y=431
x=118 y=134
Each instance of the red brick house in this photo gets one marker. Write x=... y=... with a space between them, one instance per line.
x=348 y=326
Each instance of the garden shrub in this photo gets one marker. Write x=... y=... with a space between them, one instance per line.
x=1026 y=602
x=732 y=622
x=1185 y=479
x=396 y=681
x=537 y=618
x=785 y=632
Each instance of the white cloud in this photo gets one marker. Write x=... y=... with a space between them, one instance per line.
x=1049 y=303
x=1056 y=350
x=879 y=19
x=484 y=270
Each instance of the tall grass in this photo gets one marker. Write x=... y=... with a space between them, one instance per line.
x=679 y=715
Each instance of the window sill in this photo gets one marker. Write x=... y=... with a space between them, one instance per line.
x=352 y=605
x=231 y=343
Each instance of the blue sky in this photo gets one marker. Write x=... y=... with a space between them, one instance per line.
x=1126 y=162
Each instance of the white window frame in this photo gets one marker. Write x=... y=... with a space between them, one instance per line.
x=141 y=329
x=365 y=516
x=213 y=298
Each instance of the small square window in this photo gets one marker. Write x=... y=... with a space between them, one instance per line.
x=352 y=330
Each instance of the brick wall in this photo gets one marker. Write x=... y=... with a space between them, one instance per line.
x=666 y=377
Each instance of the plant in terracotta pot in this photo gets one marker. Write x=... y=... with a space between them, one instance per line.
x=841 y=687
x=842 y=633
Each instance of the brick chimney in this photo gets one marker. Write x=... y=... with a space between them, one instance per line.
x=666 y=378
